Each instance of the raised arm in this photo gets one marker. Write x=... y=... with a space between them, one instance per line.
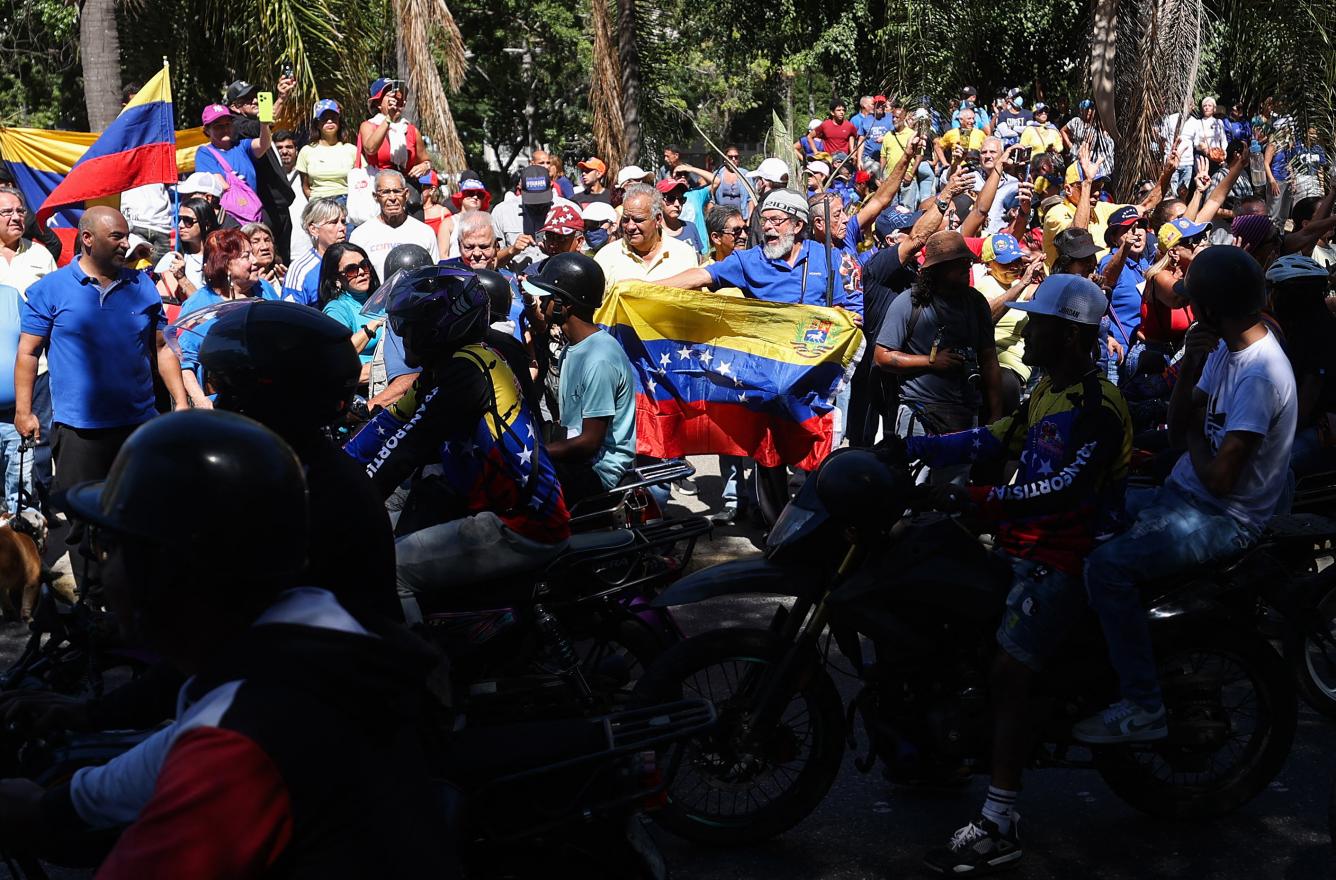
x=1216 y=200
x=881 y=199
x=1089 y=168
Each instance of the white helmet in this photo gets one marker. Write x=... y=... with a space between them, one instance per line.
x=1293 y=267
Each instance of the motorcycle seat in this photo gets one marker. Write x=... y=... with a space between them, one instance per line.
x=585 y=545
x=1299 y=530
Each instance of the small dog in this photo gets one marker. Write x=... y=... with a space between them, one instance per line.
x=21 y=570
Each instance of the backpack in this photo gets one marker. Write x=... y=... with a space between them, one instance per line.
x=238 y=199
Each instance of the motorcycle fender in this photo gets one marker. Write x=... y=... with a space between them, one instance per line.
x=1193 y=602
x=740 y=576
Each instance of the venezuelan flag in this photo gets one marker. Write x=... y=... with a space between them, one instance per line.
x=59 y=170
x=732 y=376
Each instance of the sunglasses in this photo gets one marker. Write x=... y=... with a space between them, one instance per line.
x=354 y=269
x=188 y=221
x=733 y=157
x=672 y=198
x=737 y=231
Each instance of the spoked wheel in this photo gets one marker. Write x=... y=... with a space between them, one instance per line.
x=734 y=784
x=615 y=658
x=1314 y=659
x=1232 y=716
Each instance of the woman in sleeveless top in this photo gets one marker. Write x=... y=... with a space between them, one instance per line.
x=390 y=141
x=727 y=186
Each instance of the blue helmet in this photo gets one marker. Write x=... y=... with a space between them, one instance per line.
x=436 y=310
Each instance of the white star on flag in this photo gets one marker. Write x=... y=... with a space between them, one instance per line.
x=650 y=385
x=1045 y=467
x=742 y=397
x=380 y=429
x=684 y=353
x=706 y=357
x=530 y=427
x=725 y=368
x=664 y=359
x=737 y=380
x=525 y=456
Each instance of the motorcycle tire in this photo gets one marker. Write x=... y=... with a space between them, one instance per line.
x=1314 y=671
x=674 y=677
x=638 y=645
x=1124 y=768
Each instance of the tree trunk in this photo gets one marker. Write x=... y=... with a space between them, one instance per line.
x=630 y=59
x=100 y=54
x=605 y=91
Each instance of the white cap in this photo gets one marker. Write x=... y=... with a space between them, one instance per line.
x=631 y=173
x=599 y=212
x=789 y=202
x=815 y=123
x=818 y=165
x=136 y=242
x=1071 y=297
x=773 y=170
x=201 y=182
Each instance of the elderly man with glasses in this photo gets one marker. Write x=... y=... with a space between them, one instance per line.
x=392 y=226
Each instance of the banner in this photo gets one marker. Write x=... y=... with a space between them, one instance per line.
x=731 y=376
x=58 y=171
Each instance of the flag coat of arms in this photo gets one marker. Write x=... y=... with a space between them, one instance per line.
x=732 y=376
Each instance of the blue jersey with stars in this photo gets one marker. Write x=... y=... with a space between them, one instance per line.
x=1073 y=471
x=469 y=423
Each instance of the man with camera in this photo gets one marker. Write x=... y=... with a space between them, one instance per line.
x=939 y=342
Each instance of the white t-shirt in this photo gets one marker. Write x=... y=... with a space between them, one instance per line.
x=1185 y=138
x=31 y=261
x=147 y=207
x=1253 y=391
x=378 y=240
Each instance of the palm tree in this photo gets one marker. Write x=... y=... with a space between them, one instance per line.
x=629 y=55
x=100 y=55
x=424 y=24
x=605 y=91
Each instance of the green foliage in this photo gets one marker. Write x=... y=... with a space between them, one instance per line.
x=39 y=72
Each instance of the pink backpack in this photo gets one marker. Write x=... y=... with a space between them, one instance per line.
x=238 y=199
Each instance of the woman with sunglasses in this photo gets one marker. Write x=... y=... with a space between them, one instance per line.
x=1165 y=315
x=184 y=273
x=727 y=188
x=347 y=278
x=231 y=273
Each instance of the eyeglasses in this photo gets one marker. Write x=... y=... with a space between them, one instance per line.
x=391 y=192
x=737 y=231
x=775 y=221
x=352 y=270
x=14 y=212
x=733 y=157
x=188 y=221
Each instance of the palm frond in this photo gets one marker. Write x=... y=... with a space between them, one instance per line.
x=416 y=30
x=605 y=90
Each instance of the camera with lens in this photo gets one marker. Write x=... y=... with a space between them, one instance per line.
x=970 y=367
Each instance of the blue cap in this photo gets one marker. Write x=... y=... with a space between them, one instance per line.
x=893 y=219
x=378 y=87
x=1001 y=248
x=1085 y=105
x=1071 y=297
x=326 y=105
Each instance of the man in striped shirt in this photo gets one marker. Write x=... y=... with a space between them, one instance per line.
x=324 y=220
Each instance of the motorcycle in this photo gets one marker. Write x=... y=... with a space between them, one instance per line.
x=927 y=595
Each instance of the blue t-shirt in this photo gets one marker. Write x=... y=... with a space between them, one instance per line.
x=804 y=282
x=596 y=381
x=693 y=212
x=9 y=343
x=202 y=299
x=239 y=157
x=875 y=129
x=347 y=310
x=101 y=345
x=691 y=236
x=1127 y=296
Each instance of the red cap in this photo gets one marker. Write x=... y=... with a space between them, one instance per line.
x=863 y=176
x=879 y=99
x=564 y=219
x=668 y=184
x=592 y=164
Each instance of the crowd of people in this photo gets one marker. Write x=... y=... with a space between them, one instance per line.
x=1015 y=309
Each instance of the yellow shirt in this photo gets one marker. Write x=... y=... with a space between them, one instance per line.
x=973 y=142
x=893 y=147
x=1007 y=330
x=1060 y=217
x=1041 y=139
x=620 y=263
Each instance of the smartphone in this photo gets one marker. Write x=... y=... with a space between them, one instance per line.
x=286 y=68
x=266 y=102
x=1022 y=155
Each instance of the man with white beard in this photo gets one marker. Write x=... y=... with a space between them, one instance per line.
x=787 y=267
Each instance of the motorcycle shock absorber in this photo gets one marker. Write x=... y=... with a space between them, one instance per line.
x=562 y=650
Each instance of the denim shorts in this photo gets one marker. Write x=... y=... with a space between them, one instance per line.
x=1043 y=607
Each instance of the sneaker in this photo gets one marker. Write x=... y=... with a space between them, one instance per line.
x=978 y=848
x=686 y=486
x=725 y=517
x=1123 y=722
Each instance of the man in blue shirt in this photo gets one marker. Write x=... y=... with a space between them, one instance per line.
x=1127 y=227
x=874 y=128
x=240 y=157
x=786 y=268
x=101 y=324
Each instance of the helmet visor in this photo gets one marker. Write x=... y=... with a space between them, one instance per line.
x=409 y=291
x=195 y=326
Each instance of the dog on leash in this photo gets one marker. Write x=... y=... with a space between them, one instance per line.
x=22 y=543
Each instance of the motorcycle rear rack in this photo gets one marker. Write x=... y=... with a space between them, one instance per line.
x=655 y=537
x=592 y=510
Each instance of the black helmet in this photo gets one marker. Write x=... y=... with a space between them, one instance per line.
x=499 y=293
x=281 y=363
x=436 y=310
x=406 y=256
x=1227 y=280
x=573 y=278
x=235 y=473
x=858 y=487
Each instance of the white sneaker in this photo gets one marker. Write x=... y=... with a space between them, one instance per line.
x=1123 y=722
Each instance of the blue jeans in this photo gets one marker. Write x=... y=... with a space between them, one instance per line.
x=9 y=453
x=1172 y=533
x=738 y=493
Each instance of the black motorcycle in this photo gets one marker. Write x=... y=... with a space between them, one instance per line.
x=927 y=595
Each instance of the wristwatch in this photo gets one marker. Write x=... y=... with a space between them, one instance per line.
x=943 y=205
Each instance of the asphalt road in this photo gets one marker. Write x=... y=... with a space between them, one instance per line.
x=1072 y=826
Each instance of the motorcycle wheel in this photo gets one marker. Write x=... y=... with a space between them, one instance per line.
x=615 y=658
x=1232 y=717
x=726 y=791
x=1315 y=664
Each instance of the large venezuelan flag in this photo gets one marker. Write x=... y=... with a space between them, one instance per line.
x=733 y=376
x=60 y=170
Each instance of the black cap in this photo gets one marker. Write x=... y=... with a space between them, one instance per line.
x=238 y=90
x=535 y=186
x=969 y=92
x=1075 y=244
